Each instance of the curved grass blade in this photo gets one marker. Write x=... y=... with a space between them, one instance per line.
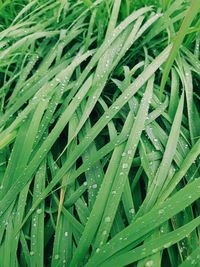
x=192 y=12
x=145 y=224
x=152 y=247
x=108 y=115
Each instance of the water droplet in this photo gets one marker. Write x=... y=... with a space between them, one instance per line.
x=107 y=219
x=154 y=250
x=56 y=257
x=125 y=165
x=161 y=211
x=132 y=211
x=167 y=245
x=149 y=263
x=66 y=234
x=39 y=211
x=97 y=250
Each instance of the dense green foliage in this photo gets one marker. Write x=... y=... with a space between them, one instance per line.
x=99 y=133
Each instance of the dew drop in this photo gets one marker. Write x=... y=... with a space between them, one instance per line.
x=149 y=263
x=97 y=250
x=66 y=234
x=125 y=166
x=39 y=211
x=56 y=257
x=167 y=245
x=161 y=211
x=107 y=219
x=132 y=211
x=154 y=250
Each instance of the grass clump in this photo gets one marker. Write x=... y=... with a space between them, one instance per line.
x=99 y=133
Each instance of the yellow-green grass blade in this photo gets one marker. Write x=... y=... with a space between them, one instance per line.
x=191 y=13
